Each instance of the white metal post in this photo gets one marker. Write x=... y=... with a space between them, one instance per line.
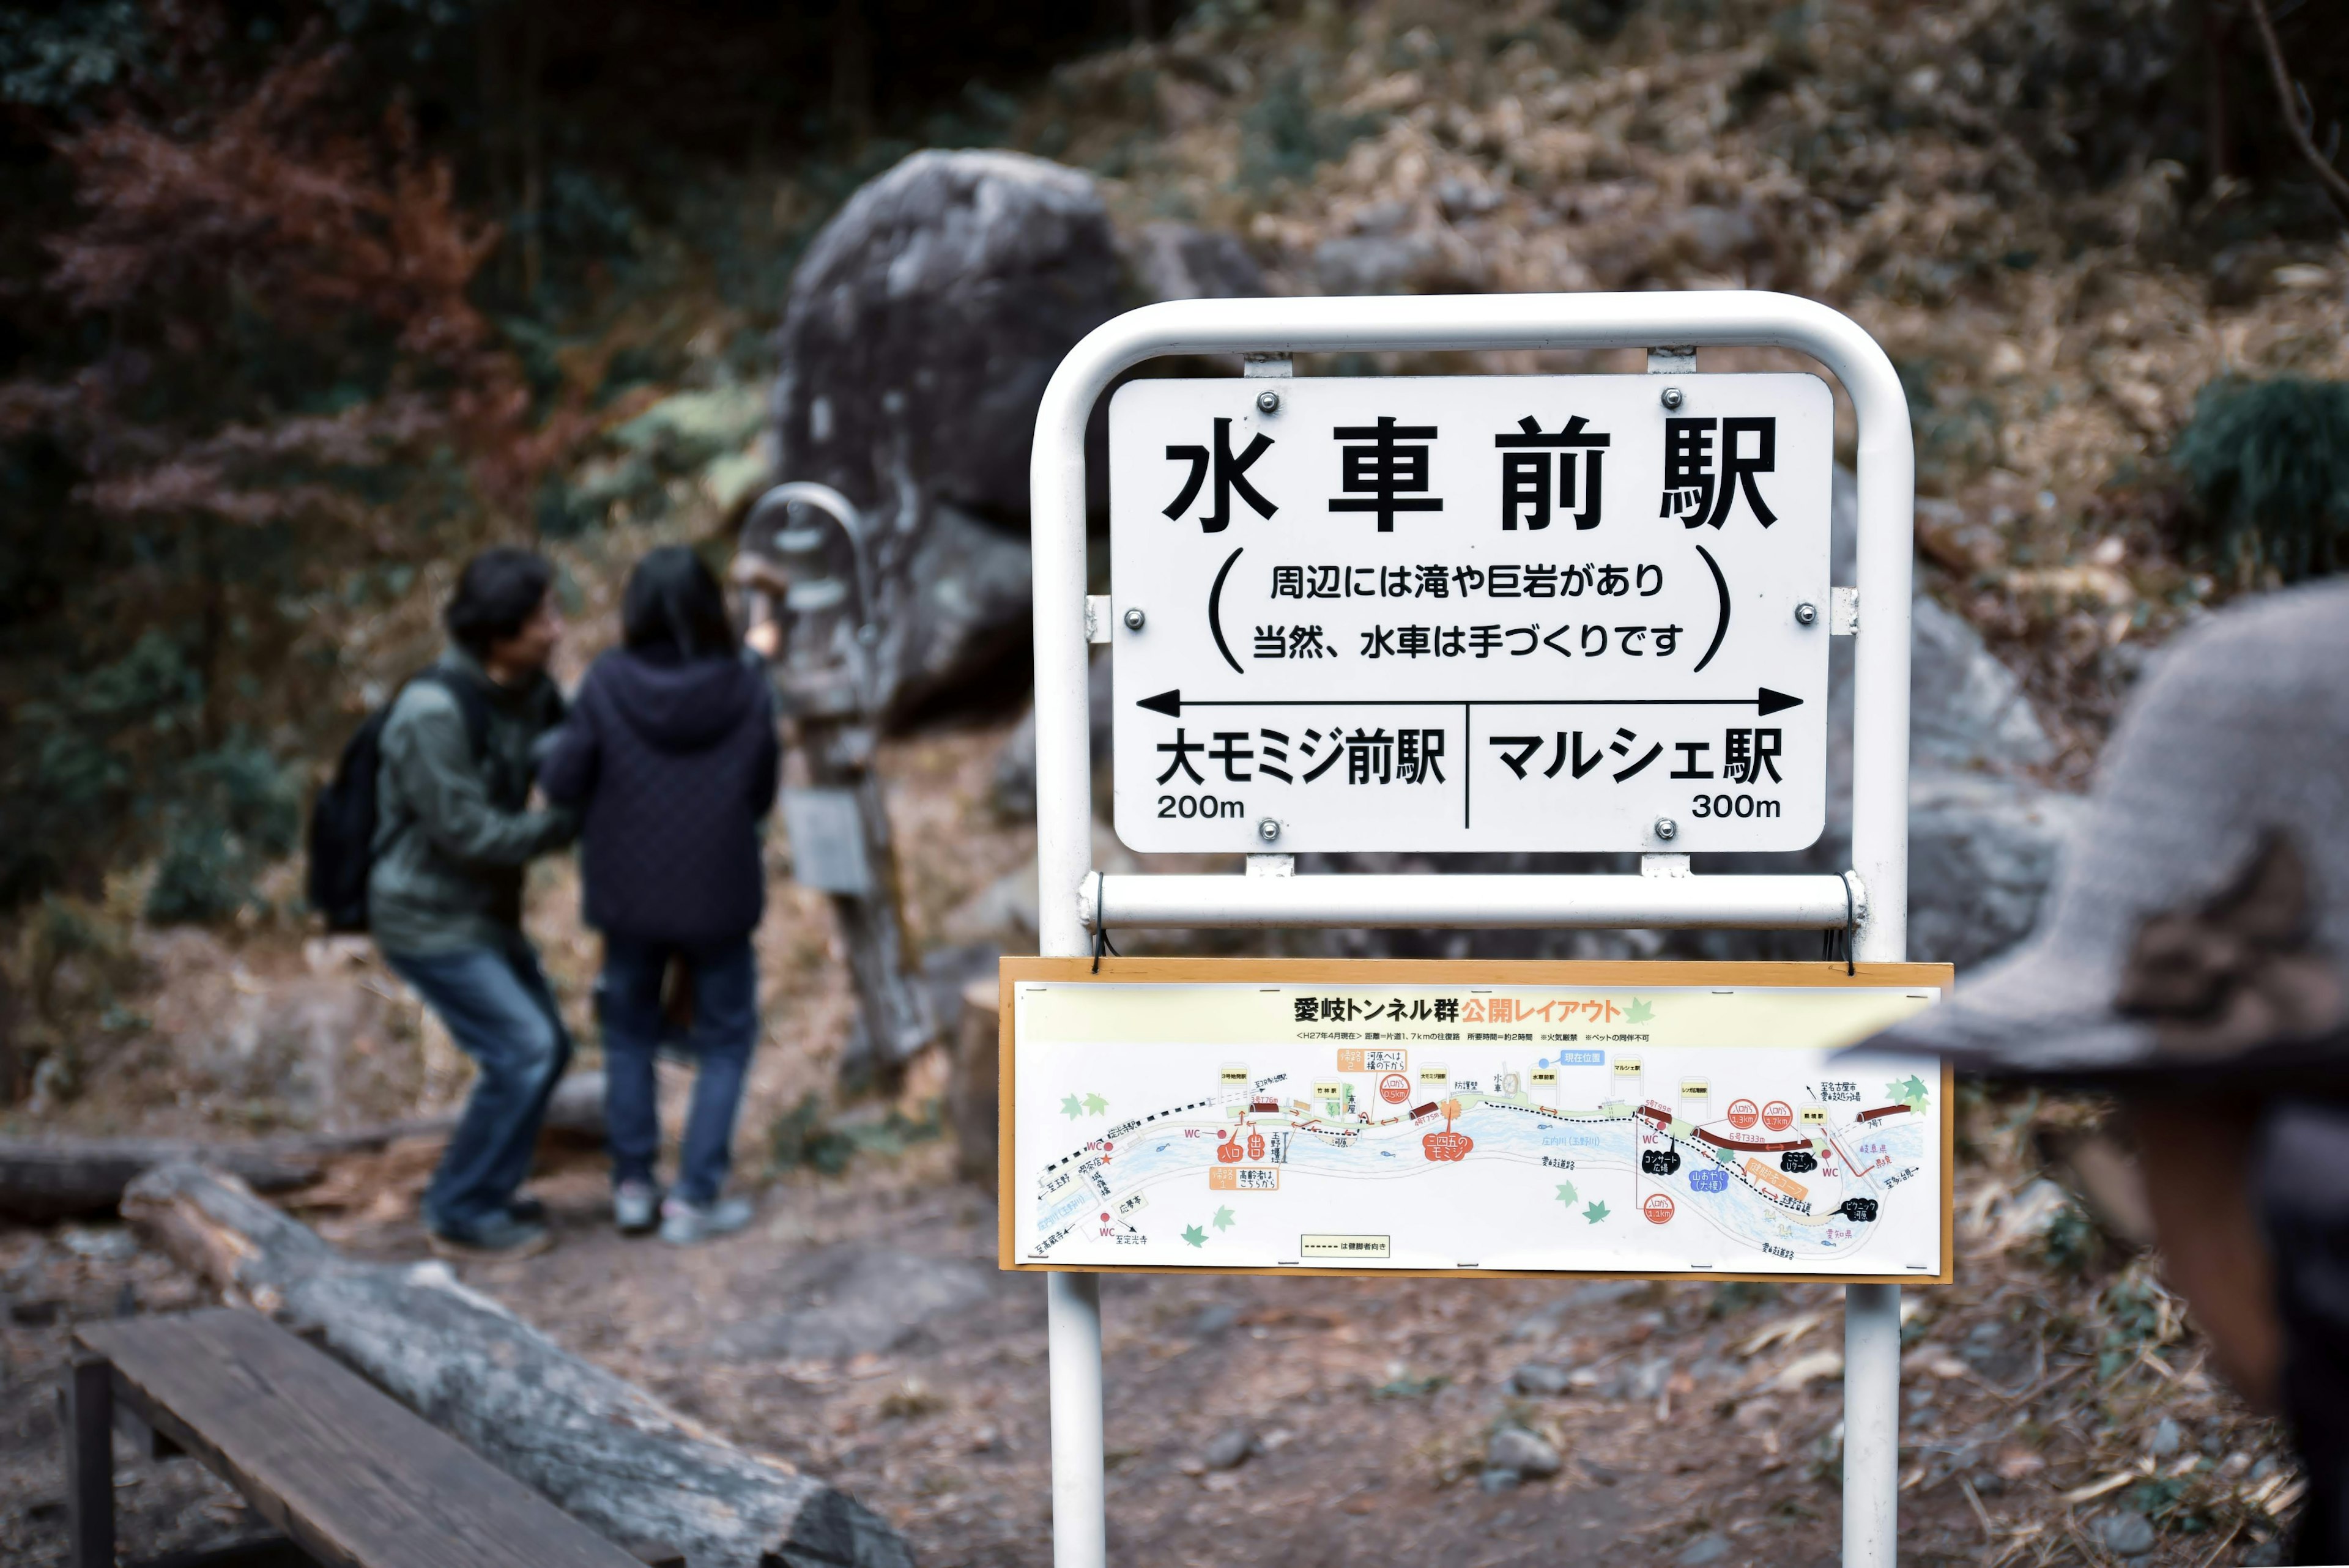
x=1886 y=476
x=1073 y=1338
x=1871 y=1424
x=1880 y=854
x=1505 y=903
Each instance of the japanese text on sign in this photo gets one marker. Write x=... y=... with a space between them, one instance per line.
x=1471 y=613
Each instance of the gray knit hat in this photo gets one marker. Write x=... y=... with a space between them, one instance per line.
x=2200 y=925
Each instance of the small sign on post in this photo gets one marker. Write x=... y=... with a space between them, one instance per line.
x=1572 y=613
x=1458 y=1116
x=827 y=840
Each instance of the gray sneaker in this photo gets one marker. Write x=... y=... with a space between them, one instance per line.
x=636 y=1207
x=683 y=1223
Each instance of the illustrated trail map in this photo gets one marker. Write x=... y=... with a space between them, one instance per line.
x=1662 y=1131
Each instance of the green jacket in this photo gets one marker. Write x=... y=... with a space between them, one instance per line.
x=452 y=836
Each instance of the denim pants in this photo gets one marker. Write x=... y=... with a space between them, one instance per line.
x=497 y=1006
x=725 y=1028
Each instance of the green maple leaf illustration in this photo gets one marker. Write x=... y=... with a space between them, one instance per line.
x=1223 y=1220
x=1596 y=1213
x=1909 y=1091
x=1071 y=1108
x=1096 y=1106
x=1195 y=1236
x=1638 y=1012
x=1566 y=1193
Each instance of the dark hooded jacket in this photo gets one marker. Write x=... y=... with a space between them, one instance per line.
x=673 y=763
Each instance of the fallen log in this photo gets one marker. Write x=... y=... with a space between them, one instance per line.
x=43 y=1179
x=599 y=1447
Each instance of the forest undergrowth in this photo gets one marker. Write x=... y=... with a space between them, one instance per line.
x=293 y=320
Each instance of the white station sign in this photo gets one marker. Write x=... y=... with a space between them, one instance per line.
x=1566 y=612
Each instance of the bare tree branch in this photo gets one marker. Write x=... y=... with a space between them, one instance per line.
x=2334 y=185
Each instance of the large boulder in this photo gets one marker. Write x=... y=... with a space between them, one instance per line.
x=1012 y=790
x=920 y=331
x=1179 y=261
x=924 y=321
x=1984 y=836
x=1983 y=851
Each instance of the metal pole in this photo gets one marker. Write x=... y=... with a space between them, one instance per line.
x=1871 y=1424
x=1886 y=474
x=1507 y=903
x=1073 y=1333
x=1064 y=856
x=1880 y=854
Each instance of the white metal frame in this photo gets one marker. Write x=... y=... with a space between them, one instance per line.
x=1268 y=330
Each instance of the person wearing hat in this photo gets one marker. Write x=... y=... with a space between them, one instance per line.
x=2194 y=960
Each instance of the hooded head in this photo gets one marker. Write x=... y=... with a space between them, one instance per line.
x=682 y=684
x=673 y=608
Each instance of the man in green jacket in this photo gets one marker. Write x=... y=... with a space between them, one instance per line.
x=454 y=836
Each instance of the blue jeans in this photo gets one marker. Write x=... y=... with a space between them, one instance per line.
x=497 y=1006
x=725 y=1028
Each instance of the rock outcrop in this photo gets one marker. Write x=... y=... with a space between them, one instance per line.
x=921 y=329
x=1984 y=837
x=920 y=333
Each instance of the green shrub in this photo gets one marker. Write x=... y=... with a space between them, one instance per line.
x=203 y=876
x=255 y=796
x=2073 y=1245
x=1284 y=136
x=232 y=810
x=807 y=1135
x=803 y=1135
x=78 y=765
x=2269 y=463
x=110 y=764
x=2133 y=1324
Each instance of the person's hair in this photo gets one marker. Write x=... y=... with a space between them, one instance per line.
x=498 y=591
x=672 y=601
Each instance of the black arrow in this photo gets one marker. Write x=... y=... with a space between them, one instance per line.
x=1765 y=702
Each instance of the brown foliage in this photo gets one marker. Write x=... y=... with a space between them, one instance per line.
x=265 y=221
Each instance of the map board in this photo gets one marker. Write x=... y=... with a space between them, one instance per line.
x=1662 y=1120
x=1471 y=613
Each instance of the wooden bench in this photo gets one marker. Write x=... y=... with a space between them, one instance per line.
x=352 y=1476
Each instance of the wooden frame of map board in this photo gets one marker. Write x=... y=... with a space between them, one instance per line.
x=1469 y=975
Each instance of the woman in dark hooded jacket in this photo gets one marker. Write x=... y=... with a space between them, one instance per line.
x=671 y=757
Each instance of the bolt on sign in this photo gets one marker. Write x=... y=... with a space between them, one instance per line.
x=1432 y=1116
x=1471 y=613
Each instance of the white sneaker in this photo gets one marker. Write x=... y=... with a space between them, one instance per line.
x=636 y=1207
x=683 y=1223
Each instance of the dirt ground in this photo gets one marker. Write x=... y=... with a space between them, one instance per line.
x=860 y=1331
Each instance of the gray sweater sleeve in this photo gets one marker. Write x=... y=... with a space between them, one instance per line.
x=431 y=758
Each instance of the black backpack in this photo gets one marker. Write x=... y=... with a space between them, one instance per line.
x=343 y=818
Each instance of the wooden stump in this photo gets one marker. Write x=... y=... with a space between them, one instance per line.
x=599 y=1447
